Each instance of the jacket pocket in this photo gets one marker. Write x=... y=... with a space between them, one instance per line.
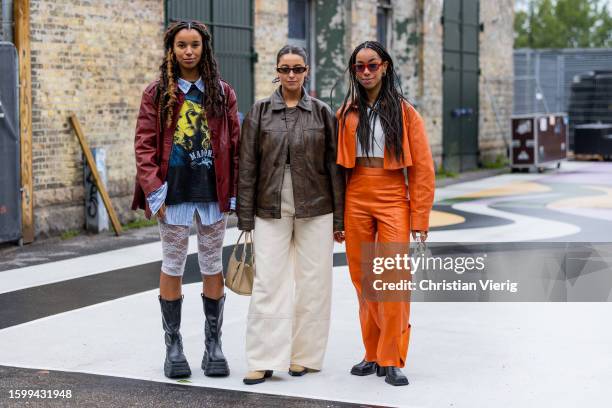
x=315 y=149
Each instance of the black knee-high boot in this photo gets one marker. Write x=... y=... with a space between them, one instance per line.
x=214 y=363
x=175 y=365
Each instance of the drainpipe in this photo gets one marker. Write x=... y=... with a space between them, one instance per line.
x=7 y=20
x=420 y=18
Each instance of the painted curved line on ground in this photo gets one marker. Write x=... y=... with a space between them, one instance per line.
x=471 y=220
x=594 y=206
x=439 y=219
x=522 y=228
x=511 y=189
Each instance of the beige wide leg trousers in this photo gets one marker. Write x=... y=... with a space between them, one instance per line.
x=289 y=313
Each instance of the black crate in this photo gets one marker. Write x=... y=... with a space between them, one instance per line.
x=593 y=138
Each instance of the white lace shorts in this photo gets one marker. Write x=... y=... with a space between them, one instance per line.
x=175 y=243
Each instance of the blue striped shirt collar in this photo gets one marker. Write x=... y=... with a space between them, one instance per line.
x=185 y=85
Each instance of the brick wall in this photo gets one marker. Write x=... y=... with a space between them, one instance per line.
x=430 y=102
x=93 y=58
x=405 y=46
x=411 y=31
x=363 y=22
x=331 y=55
x=496 y=80
x=271 y=33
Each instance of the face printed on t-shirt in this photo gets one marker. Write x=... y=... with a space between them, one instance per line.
x=192 y=137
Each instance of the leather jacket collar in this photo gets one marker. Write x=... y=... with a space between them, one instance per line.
x=277 y=102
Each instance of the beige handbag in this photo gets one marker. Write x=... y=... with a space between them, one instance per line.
x=240 y=272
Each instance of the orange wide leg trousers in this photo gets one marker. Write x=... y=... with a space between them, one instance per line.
x=377 y=211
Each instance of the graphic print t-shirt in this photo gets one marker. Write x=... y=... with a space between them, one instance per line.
x=191 y=171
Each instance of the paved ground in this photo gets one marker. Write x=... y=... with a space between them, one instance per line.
x=88 y=321
x=97 y=390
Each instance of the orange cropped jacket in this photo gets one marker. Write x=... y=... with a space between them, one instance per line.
x=416 y=155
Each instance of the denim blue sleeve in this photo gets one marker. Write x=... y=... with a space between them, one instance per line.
x=157 y=198
x=233 y=203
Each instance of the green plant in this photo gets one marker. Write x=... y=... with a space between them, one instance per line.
x=562 y=24
x=500 y=161
x=442 y=173
x=70 y=234
x=139 y=223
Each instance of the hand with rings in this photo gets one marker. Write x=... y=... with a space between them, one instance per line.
x=422 y=235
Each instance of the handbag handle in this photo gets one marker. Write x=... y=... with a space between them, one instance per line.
x=248 y=238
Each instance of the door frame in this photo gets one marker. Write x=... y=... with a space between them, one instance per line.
x=458 y=161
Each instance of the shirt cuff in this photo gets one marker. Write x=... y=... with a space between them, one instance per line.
x=157 y=198
x=233 y=203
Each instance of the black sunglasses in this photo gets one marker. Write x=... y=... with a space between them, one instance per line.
x=286 y=70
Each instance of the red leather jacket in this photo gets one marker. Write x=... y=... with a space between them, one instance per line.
x=153 y=148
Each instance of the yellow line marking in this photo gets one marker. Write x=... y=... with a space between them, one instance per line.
x=600 y=201
x=516 y=188
x=444 y=219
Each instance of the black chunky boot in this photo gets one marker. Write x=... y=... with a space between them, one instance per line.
x=393 y=375
x=364 y=368
x=176 y=365
x=214 y=363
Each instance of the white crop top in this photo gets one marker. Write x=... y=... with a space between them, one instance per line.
x=378 y=141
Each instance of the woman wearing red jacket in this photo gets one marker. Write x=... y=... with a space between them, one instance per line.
x=380 y=136
x=186 y=149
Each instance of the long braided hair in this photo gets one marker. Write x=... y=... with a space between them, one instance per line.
x=166 y=97
x=388 y=105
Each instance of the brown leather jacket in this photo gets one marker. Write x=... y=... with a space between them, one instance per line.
x=318 y=182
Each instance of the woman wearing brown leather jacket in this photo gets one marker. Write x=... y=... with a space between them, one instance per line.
x=291 y=193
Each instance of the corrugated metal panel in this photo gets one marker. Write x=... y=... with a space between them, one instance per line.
x=233 y=32
x=231 y=26
x=188 y=10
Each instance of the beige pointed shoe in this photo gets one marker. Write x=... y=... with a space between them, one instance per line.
x=297 y=370
x=256 y=377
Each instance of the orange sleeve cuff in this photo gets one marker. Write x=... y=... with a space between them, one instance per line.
x=419 y=222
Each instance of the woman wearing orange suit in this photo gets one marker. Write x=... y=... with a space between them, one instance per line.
x=380 y=137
